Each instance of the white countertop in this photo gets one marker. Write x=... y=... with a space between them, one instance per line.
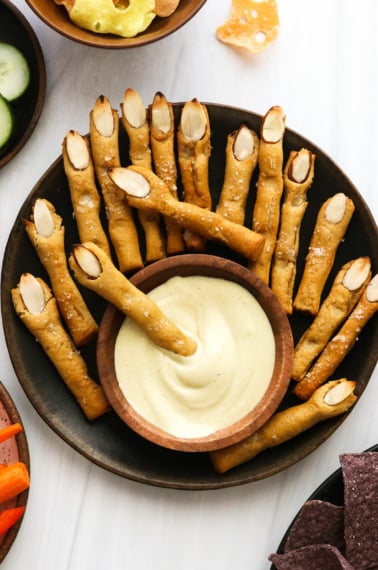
x=322 y=69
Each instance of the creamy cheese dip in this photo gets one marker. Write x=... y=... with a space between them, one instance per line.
x=193 y=396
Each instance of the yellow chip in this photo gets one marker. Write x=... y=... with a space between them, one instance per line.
x=103 y=17
x=253 y=24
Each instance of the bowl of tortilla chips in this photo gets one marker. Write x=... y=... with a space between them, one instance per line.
x=115 y=24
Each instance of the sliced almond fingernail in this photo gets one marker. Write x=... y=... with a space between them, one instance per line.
x=88 y=261
x=133 y=108
x=103 y=116
x=77 y=150
x=372 y=290
x=339 y=393
x=130 y=182
x=335 y=209
x=32 y=294
x=193 y=121
x=273 y=126
x=357 y=273
x=43 y=219
x=300 y=166
x=244 y=144
x=160 y=114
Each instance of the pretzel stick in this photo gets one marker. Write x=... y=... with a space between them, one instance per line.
x=38 y=310
x=341 y=344
x=104 y=130
x=345 y=292
x=266 y=211
x=162 y=131
x=298 y=177
x=332 y=399
x=134 y=121
x=86 y=203
x=142 y=186
x=95 y=270
x=242 y=151
x=331 y=224
x=46 y=233
x=193 y=143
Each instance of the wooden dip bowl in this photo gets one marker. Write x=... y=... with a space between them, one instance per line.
x=209 y=266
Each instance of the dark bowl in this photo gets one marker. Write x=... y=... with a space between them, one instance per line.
x=209 y=266
x=12 y=450
x=16 y=30
x=58 y=19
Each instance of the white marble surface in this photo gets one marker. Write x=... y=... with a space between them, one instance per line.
x=323 y=70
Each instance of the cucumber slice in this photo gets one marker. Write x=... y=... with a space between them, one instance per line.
x=6 y=121
x=14 y=72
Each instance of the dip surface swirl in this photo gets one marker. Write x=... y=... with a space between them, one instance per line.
x=226 y=377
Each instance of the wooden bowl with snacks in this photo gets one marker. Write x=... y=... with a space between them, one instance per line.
x=243 y=357
x=55 y=15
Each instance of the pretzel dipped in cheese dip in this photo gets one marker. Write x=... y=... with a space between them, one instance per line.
x=96 y=271
x=193 y=397
x=146 y=190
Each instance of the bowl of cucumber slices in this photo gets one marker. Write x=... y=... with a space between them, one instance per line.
x=22 y=81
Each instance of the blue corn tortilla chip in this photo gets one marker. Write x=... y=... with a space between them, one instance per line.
x=313 y=557
x=360 y=475
x=319 y=522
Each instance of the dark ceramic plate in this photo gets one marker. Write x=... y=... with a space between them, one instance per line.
x=57 y=18
x=331 y=490
x=16 y=30
x=12 y=450
x=108 y=442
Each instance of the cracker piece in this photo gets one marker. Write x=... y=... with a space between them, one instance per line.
x=360 y=475
x=253 y=25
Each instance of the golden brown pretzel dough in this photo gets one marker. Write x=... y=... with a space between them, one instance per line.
x=341 y=344
x=331 y=224
x=162 y=132
x=332 y=399
x=242 y=151
x=85 y=199
x=193 y=144
x=95 y=270
x=46 y=233
x=38 y=310
x=135 y=123
x=345 y=292
x=298 y=177
x=266 y=211
x=142 y=186
x=104 y=130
